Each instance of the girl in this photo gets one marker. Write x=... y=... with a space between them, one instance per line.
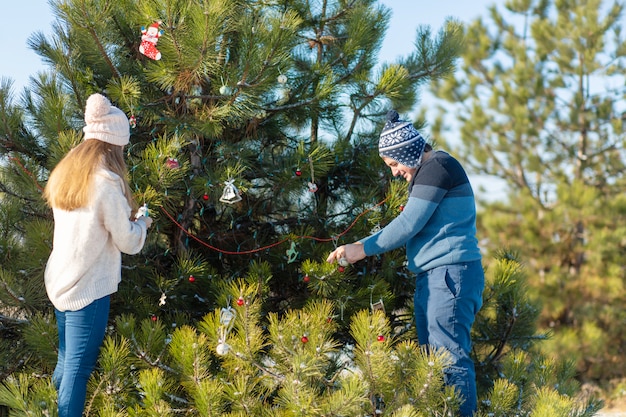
x=91 y=203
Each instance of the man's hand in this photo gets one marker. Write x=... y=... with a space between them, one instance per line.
x=347 y=254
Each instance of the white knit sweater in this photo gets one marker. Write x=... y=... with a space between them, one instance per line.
x=86 y=259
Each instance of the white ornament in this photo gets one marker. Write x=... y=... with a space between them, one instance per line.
x=231 y=194
x=222 y=348
x=282 y=78
x=343 y=262
x=225 y=90
x=142 y=211
x=226 y=316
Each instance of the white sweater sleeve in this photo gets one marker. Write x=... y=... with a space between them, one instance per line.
x=114 y=212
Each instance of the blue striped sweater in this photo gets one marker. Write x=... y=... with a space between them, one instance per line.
x=438 y=223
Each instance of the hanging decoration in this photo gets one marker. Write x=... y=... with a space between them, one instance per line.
x=142 y=211
x=292 y=253
x=312 y=185
x=230 y=195
x=227 y=320
x=149 y=39
x=226 y=90
x=172 y=163
x=377 y=306
x=132 y=121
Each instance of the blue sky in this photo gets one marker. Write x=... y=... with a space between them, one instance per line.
x=24 y=17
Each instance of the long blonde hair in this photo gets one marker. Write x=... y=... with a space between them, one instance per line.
x=69 y=185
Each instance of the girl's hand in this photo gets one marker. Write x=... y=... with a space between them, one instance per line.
x=146 y=220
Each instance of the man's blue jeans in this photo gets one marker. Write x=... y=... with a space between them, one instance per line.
x=447 y=299
x=80 y=337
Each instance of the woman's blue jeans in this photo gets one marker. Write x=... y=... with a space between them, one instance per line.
x=80 y=337
x=447 y=299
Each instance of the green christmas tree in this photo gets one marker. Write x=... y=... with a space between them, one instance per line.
x=254 y=132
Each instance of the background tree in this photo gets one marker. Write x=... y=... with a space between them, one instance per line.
x=540 y=99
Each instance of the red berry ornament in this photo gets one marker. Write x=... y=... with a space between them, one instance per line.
x=172 y=163
x=342 y=268
x=205 y=197
x=401 y=208
x=306 y=278
x=240 y=301
x=304 y=339
x=192 y=278
x=298 y=172
x=154 y=318
x=380 y=338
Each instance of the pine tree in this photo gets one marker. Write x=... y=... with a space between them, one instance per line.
x=541 y=96
x=254 y=147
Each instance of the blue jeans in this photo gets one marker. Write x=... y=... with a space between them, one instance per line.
x=80 y=337
x=446 y=300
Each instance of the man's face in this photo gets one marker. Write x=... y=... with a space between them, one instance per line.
x=399 y=170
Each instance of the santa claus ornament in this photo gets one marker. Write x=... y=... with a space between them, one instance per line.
x=149 y=39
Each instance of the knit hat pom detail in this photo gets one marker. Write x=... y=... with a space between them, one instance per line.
x=105 y=122
x=393 y=116
x=97 y=106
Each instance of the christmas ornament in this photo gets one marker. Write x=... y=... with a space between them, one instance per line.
x=341 y=268
x=192 y=278
x=298 y=172
x=306 y=278
x=282 y=79
x=312 y=185
x=304 y=339
x=132 y=121
x=154 y=318
x=292 y=253
x=284 y=94
x=380 y=338
x=240 y=301
x=230 y=194
x=162 y=299
x=378 y=306
x=149 y=39
x=222 y=348
x=401 y=208
x=226 y=90
x=227 y=320
x=172 y=163
x=343 y=262
x=142 y=211
x=205 y=197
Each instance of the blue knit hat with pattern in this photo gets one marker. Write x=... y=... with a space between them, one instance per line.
x=401 y=142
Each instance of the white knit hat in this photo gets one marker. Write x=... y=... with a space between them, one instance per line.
x=105 y=122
